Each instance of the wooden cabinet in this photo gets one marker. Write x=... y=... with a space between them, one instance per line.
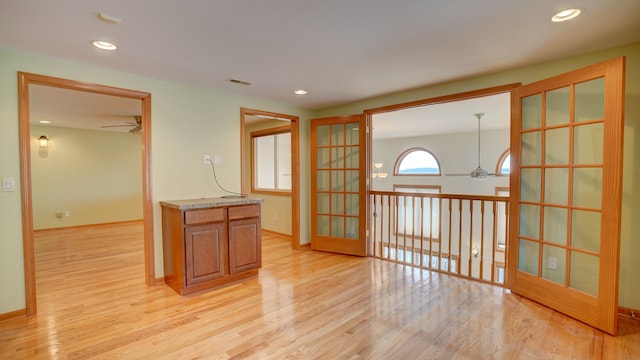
x=209 y=247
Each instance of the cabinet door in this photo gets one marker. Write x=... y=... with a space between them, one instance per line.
x=245 y=248
x=204 y=252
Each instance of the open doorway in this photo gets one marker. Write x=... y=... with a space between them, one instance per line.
x=433 y=167
x=281 y=207
x=26 y=82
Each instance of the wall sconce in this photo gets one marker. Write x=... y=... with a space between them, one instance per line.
x=377 y=173
x=44 y=142
x=475 y=251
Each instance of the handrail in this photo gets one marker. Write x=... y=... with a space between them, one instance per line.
x=463 y=235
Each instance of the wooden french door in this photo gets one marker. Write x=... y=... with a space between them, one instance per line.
x=566 y=185
x=338 y=188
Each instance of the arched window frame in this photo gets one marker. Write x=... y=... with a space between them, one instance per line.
x=500 y=161
x=396 y=166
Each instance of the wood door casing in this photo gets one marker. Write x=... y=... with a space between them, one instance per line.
x=536 y=168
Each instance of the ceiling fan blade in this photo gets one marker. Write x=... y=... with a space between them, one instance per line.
x=457 y=174
x=110 y=126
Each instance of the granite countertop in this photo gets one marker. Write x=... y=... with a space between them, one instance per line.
x=190 y=204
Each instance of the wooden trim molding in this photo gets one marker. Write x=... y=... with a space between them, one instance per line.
x=627 y=312
x=13 y=315
x=295 y=165
x=24 y=81
x=87 y=225
x=275 y=233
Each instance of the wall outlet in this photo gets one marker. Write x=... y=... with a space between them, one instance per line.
x=67 y=213
x=275 y=217
x=207 y=159
x=552 y=263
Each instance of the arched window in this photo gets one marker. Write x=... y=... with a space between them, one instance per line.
x=504 y=164
x=417 y=161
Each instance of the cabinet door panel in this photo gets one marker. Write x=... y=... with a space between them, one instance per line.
x=204 y=252
x=245 y=248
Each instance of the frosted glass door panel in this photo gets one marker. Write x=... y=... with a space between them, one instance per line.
x=337 y=204
x=530 y=221
x=587 y=185
x=322 y=180
x=532 y=112
x=322 y=137
x=585 y=233
x=588 y=143
x=584 y=272
x=554 y=263
x=337 y=157
x=337 y=134
x=337 y=180
x=530 y=185
x=353 y=157
x=353 y=133
x=322 y=159
x=353 y=204
x=555 y=225
x=556 y=186
x=532 y=148
x=323 y=225
x=589 y=103
x=558 y=106
x=323 y=203
x=528 y=256
x=557 y=146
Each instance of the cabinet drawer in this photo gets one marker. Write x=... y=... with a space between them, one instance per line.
x=203 y=216
x=241 y=212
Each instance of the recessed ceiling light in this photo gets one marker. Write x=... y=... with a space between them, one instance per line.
x=565 y=15
x=104 y=45
x=45 y=122
x=300 y=92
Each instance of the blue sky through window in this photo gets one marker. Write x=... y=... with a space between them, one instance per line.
x=419 y=162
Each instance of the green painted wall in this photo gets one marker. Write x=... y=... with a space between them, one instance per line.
x=94 y=175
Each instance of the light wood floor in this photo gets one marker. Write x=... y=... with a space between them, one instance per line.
x=93 y=303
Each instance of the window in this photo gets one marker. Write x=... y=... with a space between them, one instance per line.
x=419 y=217
x=417 y=161
x=271 y=160
x=504 y=164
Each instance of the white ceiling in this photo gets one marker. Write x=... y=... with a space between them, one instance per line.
x=444 y=118
x=81 y=110
x=340 y=51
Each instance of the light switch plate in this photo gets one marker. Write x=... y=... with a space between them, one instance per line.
x=8 y=184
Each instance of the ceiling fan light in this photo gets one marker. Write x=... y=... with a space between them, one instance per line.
x=479 y=173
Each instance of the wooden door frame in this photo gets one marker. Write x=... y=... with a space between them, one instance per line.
x=295 y=165
x=24 y=81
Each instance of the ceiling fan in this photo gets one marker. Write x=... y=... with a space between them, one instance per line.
x=137 y=125
x=479 y=172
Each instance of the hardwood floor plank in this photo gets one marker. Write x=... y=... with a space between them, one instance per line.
x=93 y=304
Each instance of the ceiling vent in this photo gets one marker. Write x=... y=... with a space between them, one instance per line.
x=241 y=82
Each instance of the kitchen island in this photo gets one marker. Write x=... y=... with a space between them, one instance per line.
x=210 y=242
